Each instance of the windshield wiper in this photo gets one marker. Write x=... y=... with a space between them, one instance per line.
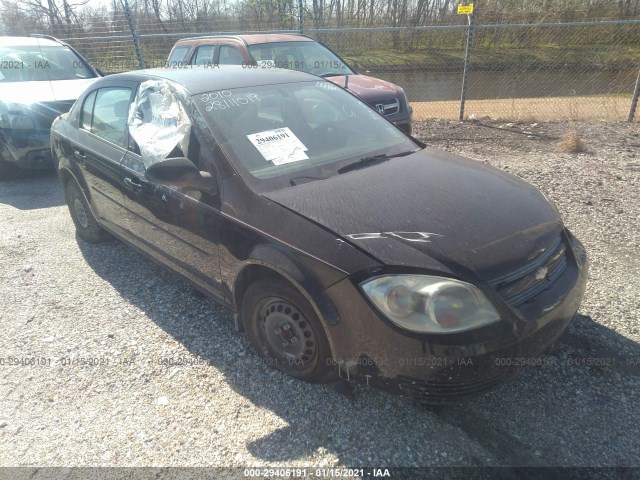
x=366 y=161
x=332 y=74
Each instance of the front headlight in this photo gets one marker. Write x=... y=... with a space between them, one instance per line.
x=428 y=304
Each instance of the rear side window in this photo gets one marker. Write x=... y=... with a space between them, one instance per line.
x=176 y=59
x=230 y=56
x=310 y=57
x=110 y=113
x=204 y=55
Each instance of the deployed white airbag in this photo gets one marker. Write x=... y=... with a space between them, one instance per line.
x=158 y=122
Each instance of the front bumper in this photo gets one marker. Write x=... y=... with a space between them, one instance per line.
x=402 y=119
x=28 y=149
x=25 y=132
x=404 y=125
x=370 y=349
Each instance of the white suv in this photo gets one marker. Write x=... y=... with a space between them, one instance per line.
x=40 y=78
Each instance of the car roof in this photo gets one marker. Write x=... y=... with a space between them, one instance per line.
x=201 y=79
x=252 y=38
x=26 y=41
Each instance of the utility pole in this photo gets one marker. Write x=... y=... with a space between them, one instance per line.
x=467 y=56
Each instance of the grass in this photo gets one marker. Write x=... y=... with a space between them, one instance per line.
x=599 y=57
x=572 y=108
x=376 y=53
x=571 y=142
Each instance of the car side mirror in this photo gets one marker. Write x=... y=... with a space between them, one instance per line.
x=183 y=173
x=171 y=169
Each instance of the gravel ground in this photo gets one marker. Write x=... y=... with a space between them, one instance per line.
x=65 y=302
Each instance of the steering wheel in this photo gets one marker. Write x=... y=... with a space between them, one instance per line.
x=337 y=133
x=325 y=129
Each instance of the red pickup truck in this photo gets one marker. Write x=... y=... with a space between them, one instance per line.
x=296 y=52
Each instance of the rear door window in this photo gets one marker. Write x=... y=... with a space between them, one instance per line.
x=204 y=55
x=230 y=56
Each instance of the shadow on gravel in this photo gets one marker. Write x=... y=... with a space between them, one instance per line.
x=29 y=190
x=574 y=406
x=568 y=411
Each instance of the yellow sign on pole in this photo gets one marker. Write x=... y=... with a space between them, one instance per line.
x=465 y=9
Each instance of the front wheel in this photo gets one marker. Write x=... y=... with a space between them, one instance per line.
x=286 y=331
x=82 y=216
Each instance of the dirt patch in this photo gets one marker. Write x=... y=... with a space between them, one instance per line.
x=607 y=107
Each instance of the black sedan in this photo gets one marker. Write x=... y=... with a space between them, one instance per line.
x=346 y=248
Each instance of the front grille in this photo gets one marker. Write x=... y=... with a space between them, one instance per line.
x=525 y=283
x=389 y=107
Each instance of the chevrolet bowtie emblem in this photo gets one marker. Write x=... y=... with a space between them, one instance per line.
x=541 y=273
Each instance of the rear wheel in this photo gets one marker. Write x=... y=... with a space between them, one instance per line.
x=286 y=331
x=86 y=224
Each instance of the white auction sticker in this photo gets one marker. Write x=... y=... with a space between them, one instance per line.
x=279 y=146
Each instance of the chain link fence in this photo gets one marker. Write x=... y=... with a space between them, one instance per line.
x=526 y=72
x=516 y=71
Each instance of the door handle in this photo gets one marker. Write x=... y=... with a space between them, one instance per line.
x=136 y=184
x=81 y=156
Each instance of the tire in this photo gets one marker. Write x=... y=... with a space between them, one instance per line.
x=286 y=332
x=86 y=224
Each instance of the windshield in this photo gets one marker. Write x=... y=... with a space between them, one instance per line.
x=286 y=134
x=310 y=57
x=40 y=63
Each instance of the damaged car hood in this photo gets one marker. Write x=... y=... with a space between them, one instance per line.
x=432 y=205
x=43 y=91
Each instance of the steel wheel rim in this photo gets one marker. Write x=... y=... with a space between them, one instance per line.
x=289 y=334
x=81 y=212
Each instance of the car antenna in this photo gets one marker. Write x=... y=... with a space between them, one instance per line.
x=346 y=81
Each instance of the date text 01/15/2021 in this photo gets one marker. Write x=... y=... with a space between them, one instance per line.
x=317 y=473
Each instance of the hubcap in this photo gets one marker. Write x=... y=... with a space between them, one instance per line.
x=81 y=213
x=288 y=333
